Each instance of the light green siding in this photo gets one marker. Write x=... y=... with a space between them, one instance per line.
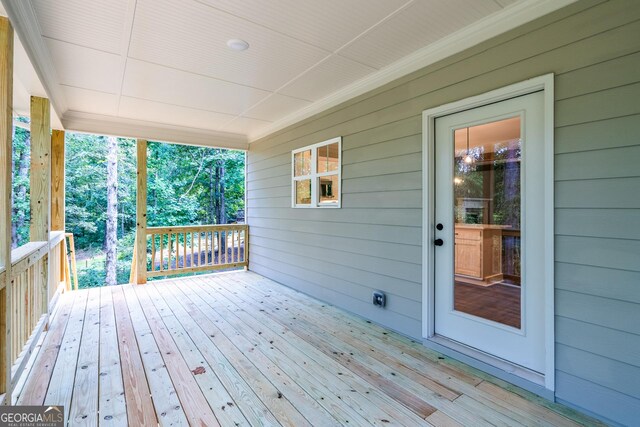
x=374 y=241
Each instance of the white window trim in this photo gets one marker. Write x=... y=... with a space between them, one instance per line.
x=314 y=175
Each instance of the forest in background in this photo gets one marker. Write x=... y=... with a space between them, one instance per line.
x=186 y=186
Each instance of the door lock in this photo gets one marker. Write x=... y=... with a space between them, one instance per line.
x=438 y=242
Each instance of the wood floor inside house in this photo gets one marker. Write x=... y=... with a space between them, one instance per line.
x=238 y=349
x=499 y=302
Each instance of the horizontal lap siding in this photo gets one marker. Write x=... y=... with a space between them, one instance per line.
x=374 y=241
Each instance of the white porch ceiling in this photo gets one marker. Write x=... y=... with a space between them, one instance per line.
x=164 y=64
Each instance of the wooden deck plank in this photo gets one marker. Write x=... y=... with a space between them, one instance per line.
x=440 y=419
x=252 y=352
x=351 y=390
x=384 y=352
x=286 y=386
x=248 y=402
x=304 y=375
x=384 y=346
x=63 y=376
x=544 y=415
x=409 y=393
x=223 y=404
x=361 y=327
x=84 y=402
x=278 y=402
x=168 y=408
x=455 y=374
x=502 y=412
x=37 y=382
x=194 y=403
x=139 y=406
x=311 y=409
x=111 y=405
x=394 y=365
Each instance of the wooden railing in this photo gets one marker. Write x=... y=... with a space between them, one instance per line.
x=36 y=279
x=193 y=249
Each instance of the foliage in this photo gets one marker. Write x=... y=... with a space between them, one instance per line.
x=180 y=184
x=180 y=192
x=21 y=157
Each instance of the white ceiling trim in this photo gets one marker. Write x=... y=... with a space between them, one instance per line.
x=23 y=18
x=507 y=19
x=118 y=126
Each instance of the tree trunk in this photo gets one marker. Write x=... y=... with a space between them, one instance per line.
x=222 y=213
x=111 y=238
x=212 y=196
x=20 y=194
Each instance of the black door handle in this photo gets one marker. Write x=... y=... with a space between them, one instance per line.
x=438 y=242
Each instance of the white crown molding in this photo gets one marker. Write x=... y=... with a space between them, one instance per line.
x=493 y=25
x=24 y=21
x=129 y=128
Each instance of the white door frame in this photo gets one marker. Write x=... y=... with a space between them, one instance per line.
x=544 y=83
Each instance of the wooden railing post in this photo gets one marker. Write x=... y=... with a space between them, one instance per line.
x=141 y=214
x=40 y=180
x=57 y=181
x=40 y=183
x=57 y=209
x=6 y=142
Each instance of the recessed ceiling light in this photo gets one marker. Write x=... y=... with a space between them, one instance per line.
x=237 y=44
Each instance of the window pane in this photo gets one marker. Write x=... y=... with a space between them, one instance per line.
x=487 y=206
x=303 y=192
x=302 y=164
x=328 y=158
x=328 y=189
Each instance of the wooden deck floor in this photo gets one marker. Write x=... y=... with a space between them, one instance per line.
x=238 y=349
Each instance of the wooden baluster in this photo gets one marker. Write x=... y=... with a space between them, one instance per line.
x=219 y=259
x=153 y=252
x=206 y=248
x=161 y=252
x=192 y=246
x=169 y=249
x=230 y=246
x=184 y=250
x=240 y=245
x=177 y=249
x=246 y=245
x=233 y=246
x=199 y=247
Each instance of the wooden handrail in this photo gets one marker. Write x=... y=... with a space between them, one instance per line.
x=194 y=228
x=35 y=281
x=194 y=248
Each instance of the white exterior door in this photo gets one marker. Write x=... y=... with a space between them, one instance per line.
x=489 y=219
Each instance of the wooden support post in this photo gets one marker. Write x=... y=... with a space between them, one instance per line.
x=141 y=214
x=40 y=181
x=57 y=181
x=6 y=142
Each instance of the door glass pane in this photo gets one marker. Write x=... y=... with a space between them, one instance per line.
x=487 y=194
x=303 y=192
x=302 y=163
x=328 y=189
x=328 y=158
